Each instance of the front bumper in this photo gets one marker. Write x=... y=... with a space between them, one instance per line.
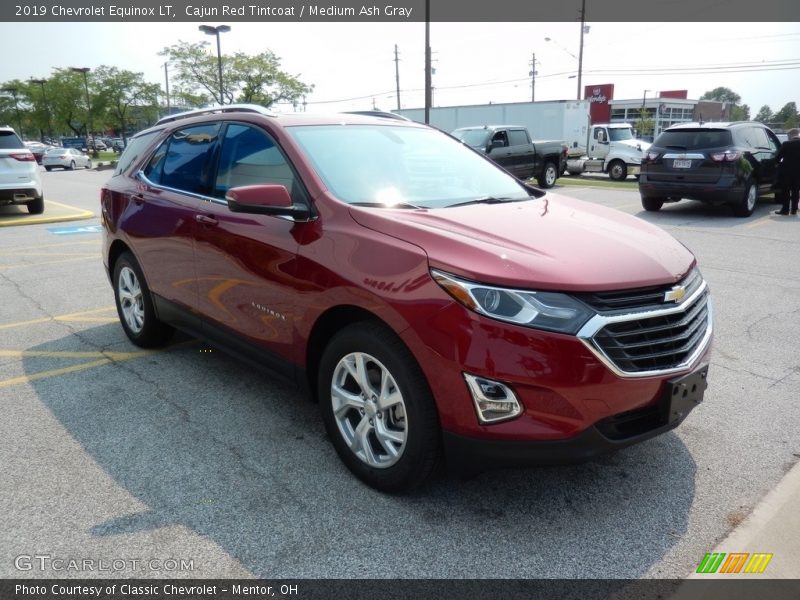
x=468 y=455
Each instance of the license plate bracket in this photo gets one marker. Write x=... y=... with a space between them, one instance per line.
x=683 y=393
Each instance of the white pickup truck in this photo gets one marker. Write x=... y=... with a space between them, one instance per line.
x=610 y=148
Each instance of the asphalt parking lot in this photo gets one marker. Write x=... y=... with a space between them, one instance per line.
x=184 y=463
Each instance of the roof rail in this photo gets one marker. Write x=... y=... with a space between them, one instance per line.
x=255 y=108
x=377 y=113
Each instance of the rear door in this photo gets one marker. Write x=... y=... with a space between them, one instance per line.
x=523 y=156
x=171 y=191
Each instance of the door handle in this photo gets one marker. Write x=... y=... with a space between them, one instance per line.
x=206 y=220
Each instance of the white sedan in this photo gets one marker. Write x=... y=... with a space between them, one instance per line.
x=66 y=158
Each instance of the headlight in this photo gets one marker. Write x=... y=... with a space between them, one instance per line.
x=541 y=310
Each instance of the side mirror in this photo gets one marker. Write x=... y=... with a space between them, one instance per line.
x=495 y=144
x=264 y=199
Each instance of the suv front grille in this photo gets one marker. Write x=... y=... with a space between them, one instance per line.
x=640 y=298
x=654 y=341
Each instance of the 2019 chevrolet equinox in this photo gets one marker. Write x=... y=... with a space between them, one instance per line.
x=438 y=309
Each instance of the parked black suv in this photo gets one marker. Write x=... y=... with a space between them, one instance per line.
x=718 y=163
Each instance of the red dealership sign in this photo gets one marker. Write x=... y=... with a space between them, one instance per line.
x=599 y=97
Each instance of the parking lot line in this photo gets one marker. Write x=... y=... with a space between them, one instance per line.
x=759 y=222
x=48 y=262
x=78 y=316
x=22 y=249
x=53 y=373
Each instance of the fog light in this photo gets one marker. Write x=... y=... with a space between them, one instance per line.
x=494 y=401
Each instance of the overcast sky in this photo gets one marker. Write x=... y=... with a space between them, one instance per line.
x=475 y=63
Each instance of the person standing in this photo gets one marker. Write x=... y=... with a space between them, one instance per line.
x=789 y=173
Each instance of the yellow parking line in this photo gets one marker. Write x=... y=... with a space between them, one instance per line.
x=22 y=249
x=48 y=262
x=52 y=373
x=77 y=316
x=114 y=356
x=759 y=222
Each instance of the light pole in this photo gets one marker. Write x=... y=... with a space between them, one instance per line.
x=13 y=92
x=166 y=81
x=85 y=71
x=642 y=113
x=209 y=30
x=41 y=82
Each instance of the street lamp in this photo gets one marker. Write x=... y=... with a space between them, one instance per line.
x=209 y=30
x=85 y=71
x=41 y=82
x=13 y=92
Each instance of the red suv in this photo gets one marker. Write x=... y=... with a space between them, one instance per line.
x=439 y=310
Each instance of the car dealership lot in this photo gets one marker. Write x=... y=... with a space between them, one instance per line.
x=115 y=453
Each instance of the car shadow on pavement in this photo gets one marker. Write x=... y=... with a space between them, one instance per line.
x=206 y=443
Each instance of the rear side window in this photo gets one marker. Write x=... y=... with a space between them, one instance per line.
x=517 y=137
x=753 y=137
x=694 y=139
x=184 y=161
x=10 y=141
x=134 y=150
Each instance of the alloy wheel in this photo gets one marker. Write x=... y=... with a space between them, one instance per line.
x=131 y=300
x=369 y=410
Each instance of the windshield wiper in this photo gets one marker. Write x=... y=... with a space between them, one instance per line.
x=384 y=205
x=487 y=200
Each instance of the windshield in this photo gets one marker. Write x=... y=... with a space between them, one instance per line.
x=617 y=134
x=473 y=137
x=402 y=166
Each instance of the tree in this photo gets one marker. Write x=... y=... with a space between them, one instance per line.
x=256 y=79
x=740 y=113
x=722 y=94
x=119 y=91
x=764 y=115
x=787 y=115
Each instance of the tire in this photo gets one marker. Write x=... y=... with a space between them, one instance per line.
x=48 y=168
x=747 y=204
x=618 y=170
x=384 y=424
x=652 y=204
x=549 y=176
x=135 y=305
x=72 y=166
x=36 y=206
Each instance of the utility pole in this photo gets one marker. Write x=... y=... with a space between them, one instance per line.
x=397 y=74
x=580 y=53
x=533 y=77
x=428 y=91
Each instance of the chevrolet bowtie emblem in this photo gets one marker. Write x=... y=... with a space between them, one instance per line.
x=676 y=294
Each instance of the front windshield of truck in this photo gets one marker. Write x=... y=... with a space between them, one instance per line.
x=386 y=165
x=617 y=134
x=477 y=138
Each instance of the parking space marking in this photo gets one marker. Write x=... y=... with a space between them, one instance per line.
x=103 y=358
x=78 y=214
x=48 y=262
x=759 y=222
x=21 y=249
x=77 y=316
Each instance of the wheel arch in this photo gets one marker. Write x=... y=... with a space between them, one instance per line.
x=325 y=327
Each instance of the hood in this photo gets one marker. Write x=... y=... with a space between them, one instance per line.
x=636 y=145
x=551 y=243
